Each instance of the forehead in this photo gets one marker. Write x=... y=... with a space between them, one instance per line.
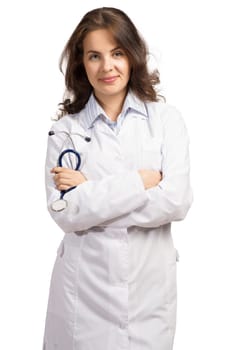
x=99 y=40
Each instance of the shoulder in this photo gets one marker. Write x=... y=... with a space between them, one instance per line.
x=65 y=123
x=163 y=110
x=166 y=117
x=165 y=114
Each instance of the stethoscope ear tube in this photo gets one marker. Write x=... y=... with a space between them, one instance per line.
x=69 y=150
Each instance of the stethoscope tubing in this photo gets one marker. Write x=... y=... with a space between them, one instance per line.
x=60 y=164
x=69 y=150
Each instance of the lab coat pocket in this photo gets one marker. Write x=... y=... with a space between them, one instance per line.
x=150 y=160
x=63 y=304
x=63 y=286
x=151 y=155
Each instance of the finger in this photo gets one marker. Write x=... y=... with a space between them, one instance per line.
x=63 y=182
x=63 y=187
x=59 y=169
x=62 y=176
x=56 y=170
x=68 y=182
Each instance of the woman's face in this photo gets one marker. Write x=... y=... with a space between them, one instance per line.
x=106 y=64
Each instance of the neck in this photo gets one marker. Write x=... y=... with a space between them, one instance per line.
x=112 y=105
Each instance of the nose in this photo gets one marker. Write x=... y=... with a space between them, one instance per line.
x=107 y=64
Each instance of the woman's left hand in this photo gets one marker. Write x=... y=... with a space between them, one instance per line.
x=66 y=178
x=150 y=178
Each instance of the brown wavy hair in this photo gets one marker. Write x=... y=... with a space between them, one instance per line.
x=78 y=89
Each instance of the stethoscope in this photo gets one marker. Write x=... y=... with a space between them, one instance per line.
x=61 y=203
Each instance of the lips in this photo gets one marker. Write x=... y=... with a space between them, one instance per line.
x=109 y=79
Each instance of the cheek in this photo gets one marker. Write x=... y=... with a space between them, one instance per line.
x=91 y=72
x=124 y=68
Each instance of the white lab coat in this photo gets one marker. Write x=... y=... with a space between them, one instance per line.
x=113 y=285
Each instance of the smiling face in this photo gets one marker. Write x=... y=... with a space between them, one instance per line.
x=106 y=64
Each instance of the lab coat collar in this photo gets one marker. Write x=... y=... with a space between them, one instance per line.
x=93 y=110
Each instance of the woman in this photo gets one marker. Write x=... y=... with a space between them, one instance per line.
x=114 y=281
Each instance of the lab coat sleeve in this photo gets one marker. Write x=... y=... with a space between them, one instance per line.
x=172 y=198
x=92 y=202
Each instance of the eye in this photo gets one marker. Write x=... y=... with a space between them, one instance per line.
x=94 y=57
x=118 y=53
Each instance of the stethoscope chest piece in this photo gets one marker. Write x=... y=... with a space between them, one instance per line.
x=59 y=205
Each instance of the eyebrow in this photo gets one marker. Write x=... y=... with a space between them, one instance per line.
x=97 y=52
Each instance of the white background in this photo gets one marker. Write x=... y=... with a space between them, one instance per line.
x=192 y=42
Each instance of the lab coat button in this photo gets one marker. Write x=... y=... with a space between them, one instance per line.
x=123 y=325
x=123 y=283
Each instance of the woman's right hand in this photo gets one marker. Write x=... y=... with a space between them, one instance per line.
x=150 y=178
